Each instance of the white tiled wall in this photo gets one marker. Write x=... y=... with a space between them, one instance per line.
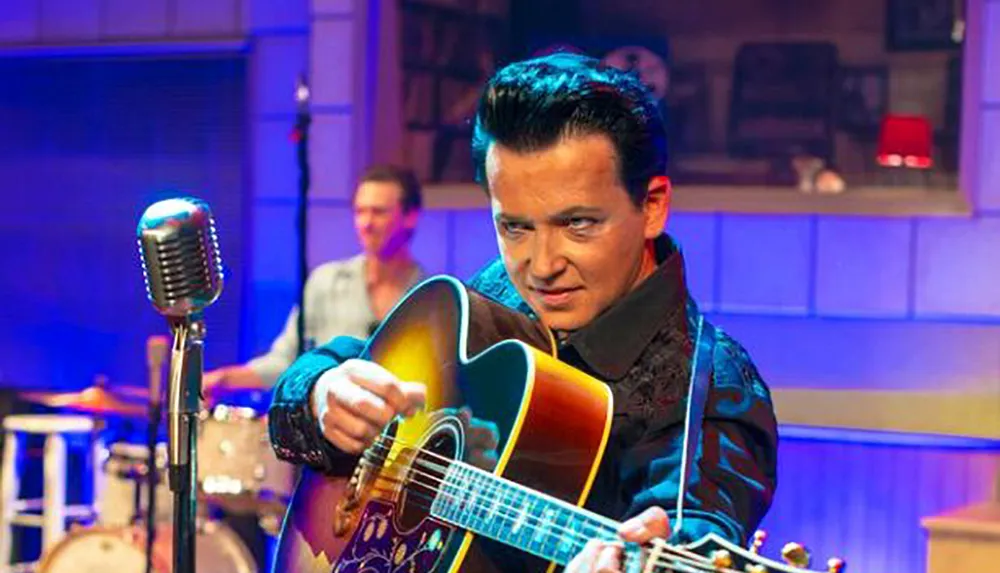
x=333 y=155
x=956 y=267
x=268 y=16
x=331 y=234
x=70 y=19
x=131 y=19
x=870 y=354
x=332 y=61
x=62 y=21
x=991 y=51
x=696 y=234
x=19 y=21
x=200 y=18
x=766 y=264
x=863 y=266
x=989 y=154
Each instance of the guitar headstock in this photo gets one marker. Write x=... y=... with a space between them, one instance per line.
x=725 y=556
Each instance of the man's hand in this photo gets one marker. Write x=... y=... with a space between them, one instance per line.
x=229 y=379
x=355 y=401
x=606 y=556
x=482 y=439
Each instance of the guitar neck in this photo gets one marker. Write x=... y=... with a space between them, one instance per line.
x=504 y=511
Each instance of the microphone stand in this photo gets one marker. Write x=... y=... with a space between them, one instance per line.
x=156 y=348
x=301 y=136
x=153 y=478
x=186 y=369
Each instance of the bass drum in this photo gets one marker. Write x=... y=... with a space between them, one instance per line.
x=92 y=550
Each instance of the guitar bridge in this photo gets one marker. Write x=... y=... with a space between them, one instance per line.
x=345 y=515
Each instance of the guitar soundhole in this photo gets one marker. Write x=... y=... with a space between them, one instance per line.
x=444 y=444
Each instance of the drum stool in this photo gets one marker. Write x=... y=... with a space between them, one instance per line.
x=53 y=509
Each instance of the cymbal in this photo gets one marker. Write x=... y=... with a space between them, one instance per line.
x=92 y=400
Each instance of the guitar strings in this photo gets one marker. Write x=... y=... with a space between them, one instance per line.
x=611 y=525
x=688 y=560
x=698 y=560
x=691 y=559
x=669 y=564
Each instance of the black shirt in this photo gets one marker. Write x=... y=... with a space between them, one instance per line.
x=641 y=347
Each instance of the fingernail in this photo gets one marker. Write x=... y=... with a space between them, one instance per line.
x=631 y=528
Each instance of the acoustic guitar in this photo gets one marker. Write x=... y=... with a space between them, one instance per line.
x=421 y=501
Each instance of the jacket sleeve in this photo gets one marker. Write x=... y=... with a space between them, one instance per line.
x=295 y=433
x=731 y=486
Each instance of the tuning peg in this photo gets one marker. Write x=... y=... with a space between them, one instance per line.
x=755 y=569
x=721 y=559
x=759 y=537
x=796 y=555
x=835 y=565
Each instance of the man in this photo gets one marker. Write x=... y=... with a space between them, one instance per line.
x=348 y=297
x=572 y=156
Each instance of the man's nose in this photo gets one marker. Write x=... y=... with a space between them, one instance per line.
x=547 y=259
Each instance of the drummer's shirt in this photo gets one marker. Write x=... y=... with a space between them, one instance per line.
x=337 y=304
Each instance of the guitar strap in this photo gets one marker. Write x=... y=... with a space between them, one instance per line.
x=701 y=381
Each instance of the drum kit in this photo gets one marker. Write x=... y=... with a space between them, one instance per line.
x=238 y=473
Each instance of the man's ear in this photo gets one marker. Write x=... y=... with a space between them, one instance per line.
x=656 y=207
x=410 y=219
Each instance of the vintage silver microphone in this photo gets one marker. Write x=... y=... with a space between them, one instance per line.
x=180 y=256
x=183 y=271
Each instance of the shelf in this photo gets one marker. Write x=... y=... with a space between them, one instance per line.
x=862 y=201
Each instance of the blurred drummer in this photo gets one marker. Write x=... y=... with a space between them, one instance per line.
x=351 y=296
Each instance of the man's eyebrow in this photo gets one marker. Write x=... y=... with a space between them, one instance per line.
x=576 y=211
x=510 y=218
x=567 y=213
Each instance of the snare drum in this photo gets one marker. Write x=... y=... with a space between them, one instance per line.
x=123 y=549
x=125 y=467
x=236 y=461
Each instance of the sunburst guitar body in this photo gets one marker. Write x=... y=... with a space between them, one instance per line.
x=424 y=499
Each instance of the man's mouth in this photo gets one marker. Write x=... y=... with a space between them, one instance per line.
x=554 y=297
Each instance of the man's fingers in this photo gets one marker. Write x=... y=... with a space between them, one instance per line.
x=343 y=441
x=584 y=560
x=402 y=397
x=484 y=435
x=357 y=428
x=609 y=559
x=359 y=402
x=651 y=523
x=483 y=459
x=415 y=396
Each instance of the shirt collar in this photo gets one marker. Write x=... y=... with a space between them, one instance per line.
x=614 y=340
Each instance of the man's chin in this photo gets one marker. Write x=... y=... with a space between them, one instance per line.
x=563 y=320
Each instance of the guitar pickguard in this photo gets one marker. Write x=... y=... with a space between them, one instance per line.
x=379 y=547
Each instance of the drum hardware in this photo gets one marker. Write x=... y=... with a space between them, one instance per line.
x=95 y=400
x=156 y=352
x=238 y=473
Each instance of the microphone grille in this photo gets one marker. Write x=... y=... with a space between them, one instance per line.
x=180 y=253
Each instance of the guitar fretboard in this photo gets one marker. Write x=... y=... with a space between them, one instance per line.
x=511 y=514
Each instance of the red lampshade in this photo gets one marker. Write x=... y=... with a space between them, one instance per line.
x=905 y=141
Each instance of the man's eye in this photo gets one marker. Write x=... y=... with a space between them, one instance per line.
x=581 y=223
x=513 y=227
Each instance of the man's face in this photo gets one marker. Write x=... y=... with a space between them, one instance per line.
x=379 y=219
x=572 y=240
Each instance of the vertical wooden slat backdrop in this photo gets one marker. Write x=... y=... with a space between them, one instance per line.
x=863 y=502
